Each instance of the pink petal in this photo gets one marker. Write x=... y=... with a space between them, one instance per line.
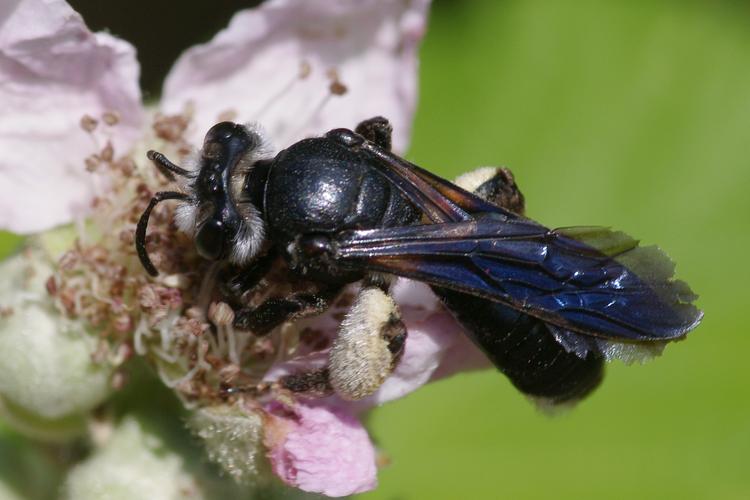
x=253 y=67
x=320 y=450
x=53 y=71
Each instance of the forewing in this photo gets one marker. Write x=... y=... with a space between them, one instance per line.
x=588 y=280
x=440 y=200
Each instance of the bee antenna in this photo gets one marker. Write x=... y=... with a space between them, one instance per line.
x=165 y=166
x=140 y=231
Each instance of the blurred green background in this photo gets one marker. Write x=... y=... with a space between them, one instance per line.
x=628 y=113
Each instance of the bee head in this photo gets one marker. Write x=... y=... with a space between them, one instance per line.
x=219 y=206
x=224 y=217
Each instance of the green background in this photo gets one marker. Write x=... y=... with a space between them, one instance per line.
x=627 y=113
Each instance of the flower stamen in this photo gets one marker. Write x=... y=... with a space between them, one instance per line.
x=304 y=71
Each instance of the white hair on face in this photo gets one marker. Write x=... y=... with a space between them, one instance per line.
x=260 y=150
x=186 y=213
x=186 y=216
x=264 y=147
x=192 y=162
x=248 y=240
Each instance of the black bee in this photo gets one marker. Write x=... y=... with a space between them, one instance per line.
x=546 y=306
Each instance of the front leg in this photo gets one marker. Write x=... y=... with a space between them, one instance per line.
x=262 y=319
x=236 y=282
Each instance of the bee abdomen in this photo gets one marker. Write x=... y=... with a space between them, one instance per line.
x=524 y=349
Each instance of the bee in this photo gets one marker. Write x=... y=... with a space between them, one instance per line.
x=547 y=306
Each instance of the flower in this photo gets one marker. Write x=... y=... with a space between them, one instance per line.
x=73 y=124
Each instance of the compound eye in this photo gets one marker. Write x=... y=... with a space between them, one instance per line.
x=211 y=240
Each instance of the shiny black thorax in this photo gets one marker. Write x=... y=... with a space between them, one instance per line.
x=319 y=187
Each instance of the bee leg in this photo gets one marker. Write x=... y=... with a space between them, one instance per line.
x=314 y=383
x=368 y=346
x=235 y=281
x=272 y=312
x=495 y=185
x=377 y=130
x=277 y=310
x=369 y=343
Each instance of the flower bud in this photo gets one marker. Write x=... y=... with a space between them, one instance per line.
x=47 y=376
x=7 y=493
x=233 y=437
x=133 y=463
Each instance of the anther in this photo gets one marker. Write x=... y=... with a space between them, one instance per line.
x=336 y=87
x=111 y=118
x=88 y=123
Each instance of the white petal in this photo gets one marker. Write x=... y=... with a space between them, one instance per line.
x=253 y=67
x=53 y=71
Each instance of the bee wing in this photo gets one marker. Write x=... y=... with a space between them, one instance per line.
x=439 y=199
x=588 y=280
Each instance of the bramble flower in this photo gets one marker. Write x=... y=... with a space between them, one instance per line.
x=75 y=133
